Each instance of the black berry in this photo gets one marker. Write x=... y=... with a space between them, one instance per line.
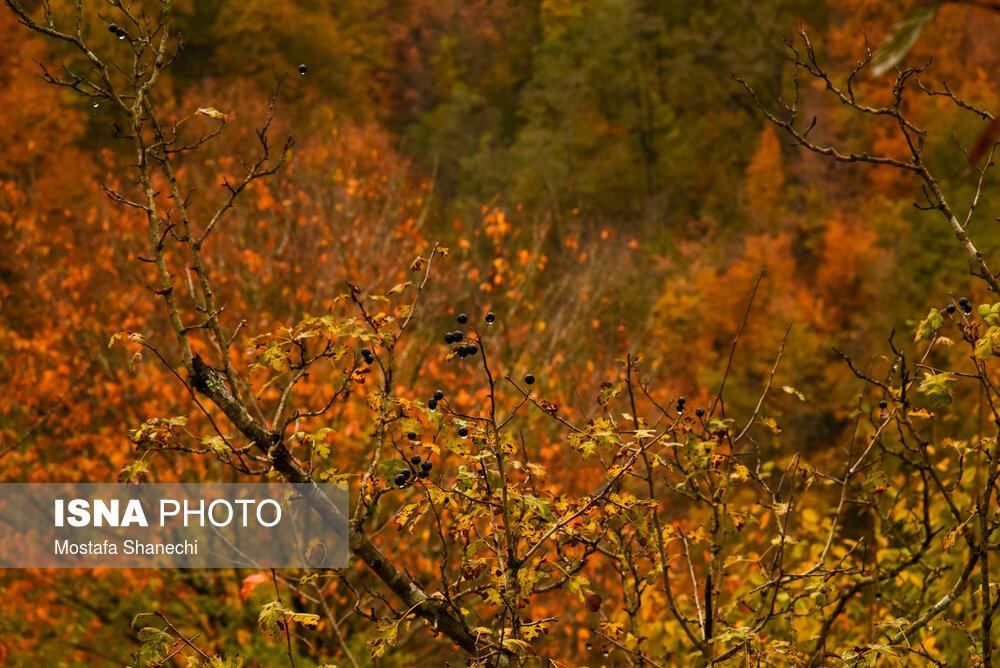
x=490 y=317
x=882 y=404
x=457 y=336
x=113 y=27
x=700 y=412
x=406 y=473
x=415 y=460
x=439 y=395
x=401 y=480
x=120 y=33
x=471 y=349
x=412 y=435
x=447 y=338
x=950 y=308
x=463 y=431
x=422 y=474
x=426 y=465
x=432 y=404
x=462 y=318
x=365 y=352
x=681 y=401
x=529 y=379
x=462 y=351
x=303 y=69
x=963 y=302
x=968 y=309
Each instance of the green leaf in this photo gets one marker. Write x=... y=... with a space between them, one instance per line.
x=986 y=346
x=929 y=326
x=386 y=632
x=272 y=619
x=608 y=392
x=902 y=38
x=228 y=661
x=938 y=387
x=216 y=443
x=990 y=313
x=396 y=289
x=154 y=646
x=133 y=471
x=541 y=507
x=515 y=645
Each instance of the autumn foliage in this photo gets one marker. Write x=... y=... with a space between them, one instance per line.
x=722 y=394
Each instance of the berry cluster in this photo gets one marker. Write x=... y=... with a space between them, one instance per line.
x=680 y=405
x=367 y=355
x=422 y=468
x=463 y=350
x=115 y=29
x=963 y=304
x=458 y=336
x=432 y=403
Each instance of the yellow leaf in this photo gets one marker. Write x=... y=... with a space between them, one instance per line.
x=533 y=630
x=493 y=596
x=409 y=514
x=948 y=541
x=306 y=620
x=698 y=535
x=771 y=424
x=212 y=112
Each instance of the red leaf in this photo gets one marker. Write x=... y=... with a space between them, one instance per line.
x=250 y=582
x=985 y=141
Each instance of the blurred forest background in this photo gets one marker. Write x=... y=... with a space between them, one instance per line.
x=603 y=185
